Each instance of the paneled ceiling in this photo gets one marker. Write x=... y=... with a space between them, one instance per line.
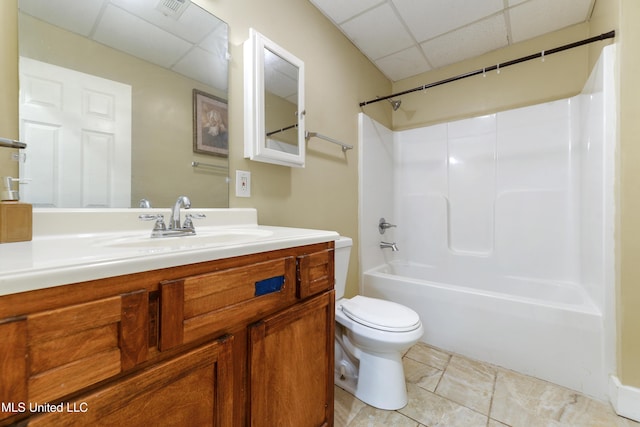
x=408 y=37
x=174 y=34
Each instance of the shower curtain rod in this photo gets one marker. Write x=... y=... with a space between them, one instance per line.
x=542 y=54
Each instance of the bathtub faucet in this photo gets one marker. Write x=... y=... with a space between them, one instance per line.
x=393 y=246
x=383 y=225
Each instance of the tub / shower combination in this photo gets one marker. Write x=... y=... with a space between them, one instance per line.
x=505 y=230
x=551 y=331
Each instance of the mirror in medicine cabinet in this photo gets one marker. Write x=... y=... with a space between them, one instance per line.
x=274 y=103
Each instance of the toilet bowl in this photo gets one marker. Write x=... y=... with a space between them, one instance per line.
x=371 y=336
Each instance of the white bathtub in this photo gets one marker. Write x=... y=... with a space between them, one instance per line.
x=548 y=330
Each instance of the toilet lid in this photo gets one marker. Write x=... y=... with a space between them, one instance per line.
x=381 y=314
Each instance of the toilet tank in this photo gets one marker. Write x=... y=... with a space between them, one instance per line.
x=342 y=252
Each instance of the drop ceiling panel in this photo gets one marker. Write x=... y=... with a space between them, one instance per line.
x=389 y=32
x=72 y=15
x=216 y=41
x=193 y=25
x=533 y=18
x=403 y=64
x=200 y=65
x=378 y=32
x=138 y=28
x=430 y=18
x=340 y=10
x=128 y=33
x=472 y=40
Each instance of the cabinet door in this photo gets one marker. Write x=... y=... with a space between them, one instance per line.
x=57 y=352
x=13 y=366
x=192 y=389
x=315 y=273
x=291 y=366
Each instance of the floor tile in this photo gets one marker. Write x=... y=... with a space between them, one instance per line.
x=345 y=407
x=429 y=356
x=372 y=417
x=435 y=411
x=520 y=400
x=453 y=391
x=422 y=375
x=598 y=414
x=350 y=411
x=468 y=383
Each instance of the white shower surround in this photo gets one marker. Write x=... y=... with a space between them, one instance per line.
x=505 y=229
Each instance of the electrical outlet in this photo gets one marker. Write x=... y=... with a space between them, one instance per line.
x=243 y=184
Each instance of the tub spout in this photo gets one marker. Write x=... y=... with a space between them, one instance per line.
x=393 y=246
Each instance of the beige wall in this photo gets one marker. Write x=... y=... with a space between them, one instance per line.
x=623 y=16
x=324 y=194
x=628 y=230
x=8 y=83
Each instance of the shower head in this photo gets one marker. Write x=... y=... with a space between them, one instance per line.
x=395 y=104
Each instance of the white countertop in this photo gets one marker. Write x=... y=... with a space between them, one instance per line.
x=71 y=246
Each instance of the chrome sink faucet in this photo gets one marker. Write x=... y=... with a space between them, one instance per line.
x=175 y=228
x=174 y=222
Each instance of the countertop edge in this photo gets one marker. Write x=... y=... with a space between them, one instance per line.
x=50 y=277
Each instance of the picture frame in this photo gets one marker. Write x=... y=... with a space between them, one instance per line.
x=210 y=124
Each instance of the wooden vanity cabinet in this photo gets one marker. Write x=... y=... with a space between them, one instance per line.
x=244 y=341
x=291 y=366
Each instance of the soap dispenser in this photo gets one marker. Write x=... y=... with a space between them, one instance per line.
x=16 y=218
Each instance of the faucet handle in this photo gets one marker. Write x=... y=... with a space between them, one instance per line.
x=188 y=223
x=383 y=225
x=159 y=219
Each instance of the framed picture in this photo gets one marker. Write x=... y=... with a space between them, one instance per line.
x=210 y=124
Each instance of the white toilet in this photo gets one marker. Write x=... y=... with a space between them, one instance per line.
x=371 y=336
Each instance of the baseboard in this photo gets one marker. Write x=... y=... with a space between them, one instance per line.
x=625 y=399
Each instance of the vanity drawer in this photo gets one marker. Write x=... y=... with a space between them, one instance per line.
x=315 y=273
x=191 y=389
x=67 y=349
x=196 y=306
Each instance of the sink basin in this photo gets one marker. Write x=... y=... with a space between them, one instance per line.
x=200 y=239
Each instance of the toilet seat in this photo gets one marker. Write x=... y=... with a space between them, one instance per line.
x=380 y=314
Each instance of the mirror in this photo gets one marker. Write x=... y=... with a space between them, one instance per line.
x=274 y=103
x=167 y=59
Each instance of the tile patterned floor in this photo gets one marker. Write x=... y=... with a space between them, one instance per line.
x=448 y=390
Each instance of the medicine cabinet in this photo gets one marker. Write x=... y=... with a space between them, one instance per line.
x=274 y=103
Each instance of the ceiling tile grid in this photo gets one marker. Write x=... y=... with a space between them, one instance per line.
x=404 y=38
x=427 y=19
x=193 y=39
x=379 y=32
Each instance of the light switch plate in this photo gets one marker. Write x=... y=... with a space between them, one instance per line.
x=243 y=183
